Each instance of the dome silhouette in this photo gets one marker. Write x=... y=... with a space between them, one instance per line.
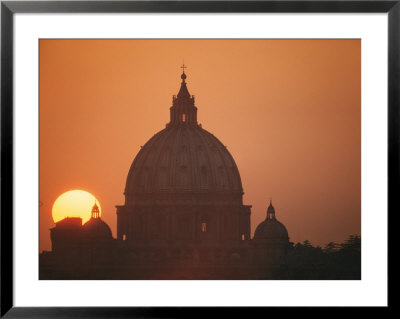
x=186 y=159
x=96 y=228
x=183 y=158
x=271 y=229
x=183 y=188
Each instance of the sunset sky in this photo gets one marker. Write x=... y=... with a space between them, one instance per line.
x=289 y=112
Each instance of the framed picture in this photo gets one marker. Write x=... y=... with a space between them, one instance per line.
x=160 y=155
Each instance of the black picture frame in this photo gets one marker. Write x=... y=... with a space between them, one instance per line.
x=9 y=8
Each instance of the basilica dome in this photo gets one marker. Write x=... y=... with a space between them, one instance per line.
x=183 y=159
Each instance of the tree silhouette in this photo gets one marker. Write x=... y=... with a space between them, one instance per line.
x=335 y=261
x=331 y=247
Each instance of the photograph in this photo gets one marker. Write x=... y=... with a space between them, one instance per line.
x=199 y=159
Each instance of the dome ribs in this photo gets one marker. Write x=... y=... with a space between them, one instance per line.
x=212 y=173
x=185 y=159
x=233 y=179
x=160 y=161
x=141 y=167
x=174 y=170
x=138 y=164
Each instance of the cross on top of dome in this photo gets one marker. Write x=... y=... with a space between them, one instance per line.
x=183 y=67
x=183 y=76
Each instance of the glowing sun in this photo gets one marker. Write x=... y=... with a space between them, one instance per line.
x=75 y=203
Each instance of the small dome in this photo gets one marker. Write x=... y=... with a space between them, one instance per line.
x=271 y=229
x=95 y=228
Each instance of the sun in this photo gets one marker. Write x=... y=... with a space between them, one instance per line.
x=74 y=203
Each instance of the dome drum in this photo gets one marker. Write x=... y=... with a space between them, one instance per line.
x=212 y=224
x=184 y=198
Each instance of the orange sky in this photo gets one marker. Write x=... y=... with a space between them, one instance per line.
x=289 y=112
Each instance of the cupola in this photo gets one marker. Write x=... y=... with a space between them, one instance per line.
x=183 y=111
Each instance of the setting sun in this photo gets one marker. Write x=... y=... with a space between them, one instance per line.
x=249 y=196
x=74 y=203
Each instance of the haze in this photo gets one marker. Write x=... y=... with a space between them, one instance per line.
x=289 y=111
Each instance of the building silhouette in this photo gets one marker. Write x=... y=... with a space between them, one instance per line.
x=183 y=216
